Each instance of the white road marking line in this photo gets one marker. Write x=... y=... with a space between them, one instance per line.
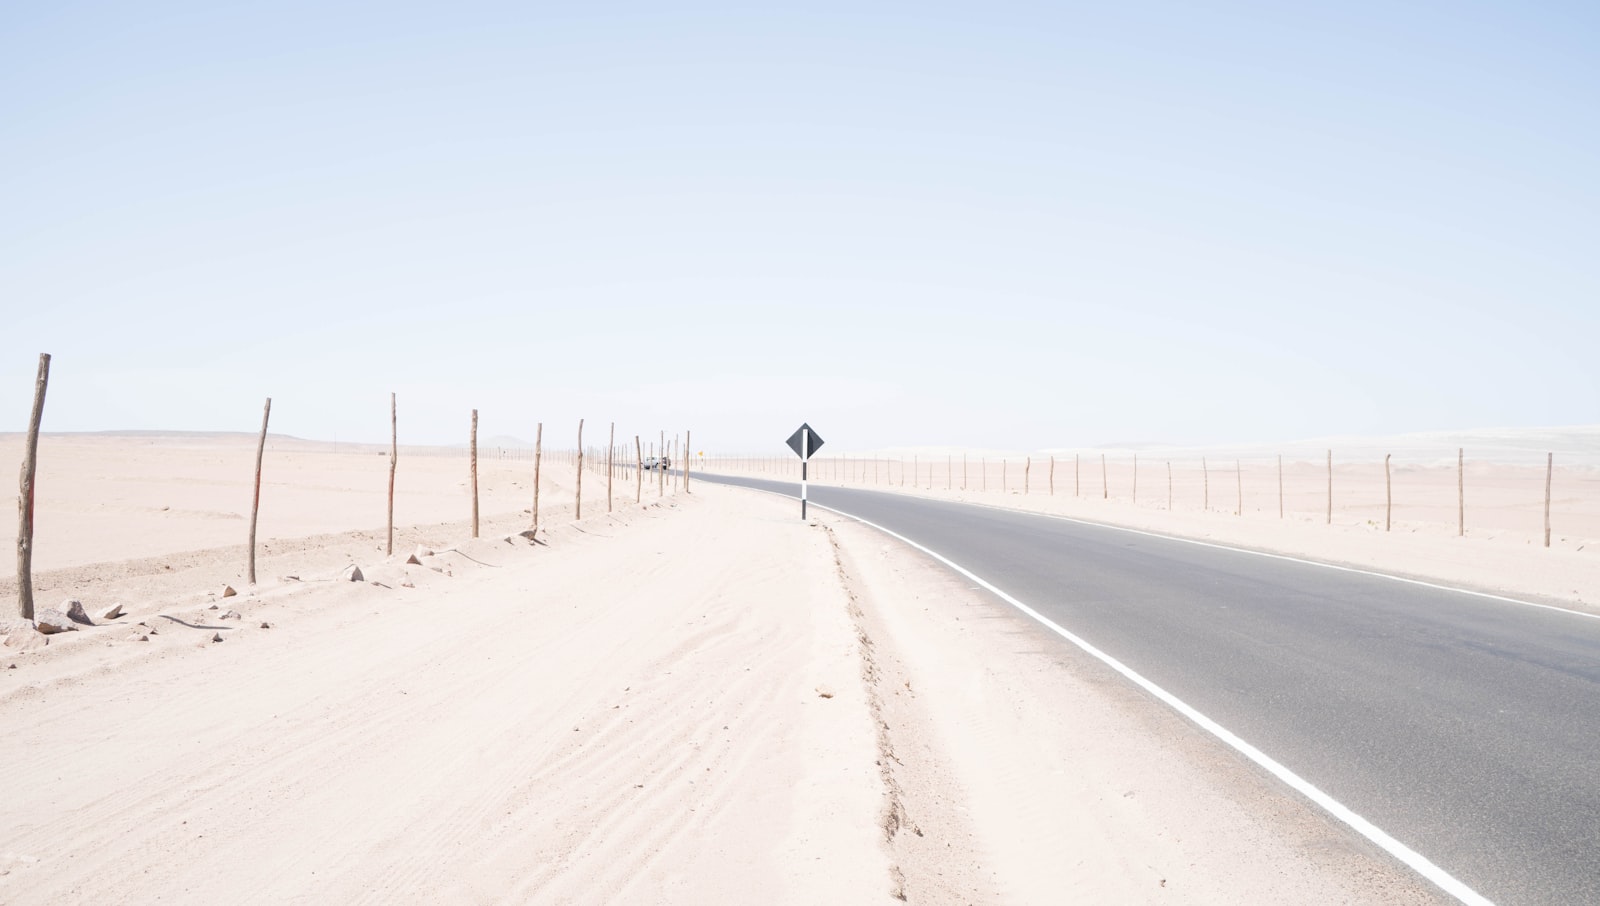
x=1290 y=559
x=1415 y=860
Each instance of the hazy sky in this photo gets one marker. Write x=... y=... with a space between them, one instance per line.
x=909 y=224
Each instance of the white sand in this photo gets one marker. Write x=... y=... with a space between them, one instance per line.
x=1230 y=498
x=699 y=700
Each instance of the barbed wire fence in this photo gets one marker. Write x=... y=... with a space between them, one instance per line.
x=1385 y=492
x=264 y=452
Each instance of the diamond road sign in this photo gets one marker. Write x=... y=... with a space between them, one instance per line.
x=797 y=439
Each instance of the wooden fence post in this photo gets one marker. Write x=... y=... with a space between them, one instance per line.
x=1052 y=475
x=30 y=457
x=1461 y=492
x=538 y=456
x=255 y=503
x=1027 y=466
x=638 y=470
x=1549 y=470
x=688 y=457
x=661 y=477
x=1105 y=483
x=578 y=495
x=1003 y=488
x=1330 y=487
x=611 y=449
x=474 y=453
x=1388 y=494
x=394 y=458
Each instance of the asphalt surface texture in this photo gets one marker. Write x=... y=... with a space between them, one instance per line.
x=1465 y=727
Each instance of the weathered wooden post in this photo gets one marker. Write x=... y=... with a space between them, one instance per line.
x=1027 y=466
x=1238 y=477
x=1330 y=487
x=1105 y=483
x=688 y=456
x=578 y=494
x=255 y=503
x=30 y=457
x=1052 y=475
x=538 y=457
x=1388 y=494
x=473 y=448
x=638 y=470
x=394 y=457
x=611 y=447
x=1549 y=470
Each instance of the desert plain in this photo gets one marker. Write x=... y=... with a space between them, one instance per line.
x=687 y=695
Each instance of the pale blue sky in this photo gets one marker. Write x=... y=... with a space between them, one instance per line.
x=999 y=225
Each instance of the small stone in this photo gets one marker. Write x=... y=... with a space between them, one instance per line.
x=212 y=607
x=355 y=574
x=75 y=612
x=217 y=637
x=51 y=621
x=407 y=583
x=266 y=625
x=112 y=613
x=231 y=615
x=413 y=561
x=26 y=639
x=140 y=637
x=228 y=592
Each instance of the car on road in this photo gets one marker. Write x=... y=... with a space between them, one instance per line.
x=655 y=463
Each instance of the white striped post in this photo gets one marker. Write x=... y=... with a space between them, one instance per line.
x=805 y=457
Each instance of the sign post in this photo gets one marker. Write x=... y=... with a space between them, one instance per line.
x=804 y=442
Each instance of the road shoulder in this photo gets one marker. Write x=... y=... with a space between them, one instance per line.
x=1045 y=773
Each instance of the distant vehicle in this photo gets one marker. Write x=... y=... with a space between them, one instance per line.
x=655 y=463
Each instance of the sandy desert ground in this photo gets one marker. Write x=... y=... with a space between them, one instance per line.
x=1233 y=497
x=694 y=699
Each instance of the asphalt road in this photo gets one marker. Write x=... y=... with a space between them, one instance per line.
x=1466 y=728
